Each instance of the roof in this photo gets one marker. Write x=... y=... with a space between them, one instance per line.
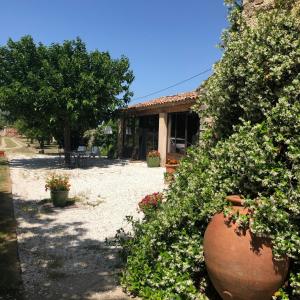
x=184 y=98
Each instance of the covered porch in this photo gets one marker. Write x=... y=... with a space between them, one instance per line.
x=165 y=124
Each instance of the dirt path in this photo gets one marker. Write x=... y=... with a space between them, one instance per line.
x=18 y=142
x=2 y=143
x=62 y=250
x=15 y=145
x=10 y=279
x=8 y=143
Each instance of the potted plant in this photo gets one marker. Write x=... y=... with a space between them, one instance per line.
x=246 y=269
x=171 y=166
x=59 y=187
x=153 y=159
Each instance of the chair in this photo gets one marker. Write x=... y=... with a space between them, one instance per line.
x=94 y=152
x=81 y=149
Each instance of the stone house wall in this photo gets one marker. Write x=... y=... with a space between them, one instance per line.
x=251 y=6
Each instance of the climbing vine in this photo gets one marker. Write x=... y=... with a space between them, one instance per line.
x=251 y=148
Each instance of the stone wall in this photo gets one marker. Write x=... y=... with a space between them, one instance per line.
x=10 y=132
x=252 y=6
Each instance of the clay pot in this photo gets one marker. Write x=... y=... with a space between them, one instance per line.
x=241 y=265
x=59 y=198
x=153 y=161
x=171 y=169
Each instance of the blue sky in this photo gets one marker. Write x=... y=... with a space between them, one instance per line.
x=166 y=41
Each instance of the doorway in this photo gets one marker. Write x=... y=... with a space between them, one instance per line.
x=148 y=135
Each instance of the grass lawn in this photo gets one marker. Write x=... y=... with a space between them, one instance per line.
x=50 y=149
x=10 y=279
x=9 y=142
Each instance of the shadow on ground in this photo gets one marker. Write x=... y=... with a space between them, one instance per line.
x=55 y=162
x=60 y=262
x=10 y=271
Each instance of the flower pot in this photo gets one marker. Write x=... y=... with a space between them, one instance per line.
x=153 y=162
x=2 y=153
x=59 y=198
x=171 y=169
x=241 y=265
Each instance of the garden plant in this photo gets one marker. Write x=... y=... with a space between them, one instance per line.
x=171 y=165
x=59 y=186
x=153 y=159
x=252 y=149
x=150 y=203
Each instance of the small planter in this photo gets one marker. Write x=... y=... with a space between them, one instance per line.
x=170 y=168
x=241 y=265
x=2 y=153
x=153 y=162
x=59 y=198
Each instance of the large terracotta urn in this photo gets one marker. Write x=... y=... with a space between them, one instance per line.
x=241 y=265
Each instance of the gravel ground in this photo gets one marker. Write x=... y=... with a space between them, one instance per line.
x=63 y=251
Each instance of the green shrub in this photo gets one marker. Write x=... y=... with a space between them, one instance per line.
x=107 y=141
x=252 y=149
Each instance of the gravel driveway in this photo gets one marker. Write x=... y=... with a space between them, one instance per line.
x=62 y=251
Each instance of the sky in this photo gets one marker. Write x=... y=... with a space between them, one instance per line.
x=166 y=41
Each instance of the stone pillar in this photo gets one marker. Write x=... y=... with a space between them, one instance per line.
x=120 y=136
x=163 y=137
x=169 y=134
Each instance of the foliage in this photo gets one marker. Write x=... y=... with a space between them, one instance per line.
x=34 y=131
x=104 y=136
x=153 y=153
x=169 y=177
x=150 y=203
x=252 y=149
x=62 y=85
x=57 y=182
x=285 y=4
x=4 y=121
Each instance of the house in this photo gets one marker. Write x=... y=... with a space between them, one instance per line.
x=166 y=124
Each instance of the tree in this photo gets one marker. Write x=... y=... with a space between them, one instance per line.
x=105 y=136
x=63 y=85
x=34 y=131
x=4 y=120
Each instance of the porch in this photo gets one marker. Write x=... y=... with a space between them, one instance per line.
x=165 y=124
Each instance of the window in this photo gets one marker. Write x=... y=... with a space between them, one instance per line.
x=183 y=131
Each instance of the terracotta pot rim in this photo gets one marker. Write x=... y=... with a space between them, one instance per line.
x=237 y=200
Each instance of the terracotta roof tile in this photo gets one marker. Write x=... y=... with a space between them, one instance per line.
x=182 y=98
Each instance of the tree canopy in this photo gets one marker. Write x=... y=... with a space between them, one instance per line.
x=63 y=87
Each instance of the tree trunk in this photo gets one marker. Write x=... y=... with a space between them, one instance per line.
x=67 y=143
x=41 y=142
